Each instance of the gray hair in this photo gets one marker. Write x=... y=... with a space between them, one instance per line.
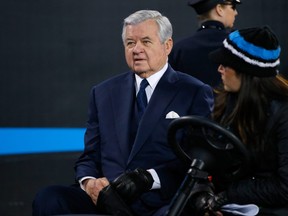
x=165 y=27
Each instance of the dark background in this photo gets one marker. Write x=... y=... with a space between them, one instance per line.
x=53 y=51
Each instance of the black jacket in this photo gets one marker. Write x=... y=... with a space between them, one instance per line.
x=267 y=183
x=190 y=55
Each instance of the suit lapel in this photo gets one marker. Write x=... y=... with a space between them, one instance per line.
x=122 y=95
x=165 y=91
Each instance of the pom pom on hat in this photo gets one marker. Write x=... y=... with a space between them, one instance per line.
x=255 y=51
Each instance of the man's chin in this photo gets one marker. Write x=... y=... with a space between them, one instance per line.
x=139 y=73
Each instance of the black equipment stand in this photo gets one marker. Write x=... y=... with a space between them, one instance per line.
x=193 y=175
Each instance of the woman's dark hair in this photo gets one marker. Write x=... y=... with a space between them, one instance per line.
x=248 y=115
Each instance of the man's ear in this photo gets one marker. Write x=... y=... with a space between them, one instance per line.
x=168 y=45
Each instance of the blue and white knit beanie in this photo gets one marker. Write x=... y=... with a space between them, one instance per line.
x=255 y=51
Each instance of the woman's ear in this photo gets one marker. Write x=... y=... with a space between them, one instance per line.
x=219 y=9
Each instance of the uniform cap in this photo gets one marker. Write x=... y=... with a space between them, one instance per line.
x=202 y=6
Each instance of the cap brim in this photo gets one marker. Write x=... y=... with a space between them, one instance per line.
x=237 y=2
x=219 y=56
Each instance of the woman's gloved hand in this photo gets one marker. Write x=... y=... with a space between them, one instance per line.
x=207 y=202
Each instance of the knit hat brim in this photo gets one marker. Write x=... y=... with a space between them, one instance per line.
x=226 y=58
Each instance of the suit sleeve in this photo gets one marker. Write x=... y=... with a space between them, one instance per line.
x=203 y=102
x=88 y=163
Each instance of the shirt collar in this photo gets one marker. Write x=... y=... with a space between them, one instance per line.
x=153 y=79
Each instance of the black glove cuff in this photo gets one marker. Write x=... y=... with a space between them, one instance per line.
x=132 y=184
x=147 y=179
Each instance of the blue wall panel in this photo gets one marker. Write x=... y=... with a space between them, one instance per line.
x=40 y=140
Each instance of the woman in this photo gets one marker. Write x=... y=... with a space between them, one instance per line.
x=190 y=55
x=253 y=103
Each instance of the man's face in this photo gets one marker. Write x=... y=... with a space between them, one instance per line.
x=144 y=52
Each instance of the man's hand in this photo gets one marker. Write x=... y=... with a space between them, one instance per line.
x=131 y=185
x=94 y=186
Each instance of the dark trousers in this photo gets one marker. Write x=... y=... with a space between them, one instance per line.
x=57 y=200
x=72 y=200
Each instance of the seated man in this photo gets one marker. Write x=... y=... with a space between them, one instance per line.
x=124 y=137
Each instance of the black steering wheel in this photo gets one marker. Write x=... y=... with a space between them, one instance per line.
x=222 y=153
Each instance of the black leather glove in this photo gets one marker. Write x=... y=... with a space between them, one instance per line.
x=109 y=202
x=217 y=201
x=133 y=184
x=205 y=202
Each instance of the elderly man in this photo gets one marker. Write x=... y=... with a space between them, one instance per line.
x=126 y=136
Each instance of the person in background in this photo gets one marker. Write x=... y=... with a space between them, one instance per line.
x=253 y=104
x=125 y=141
x=190 y=55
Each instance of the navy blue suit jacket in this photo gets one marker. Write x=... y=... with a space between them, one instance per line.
x=107 y=138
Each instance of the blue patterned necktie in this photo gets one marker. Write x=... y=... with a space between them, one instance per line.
x=142 y=98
